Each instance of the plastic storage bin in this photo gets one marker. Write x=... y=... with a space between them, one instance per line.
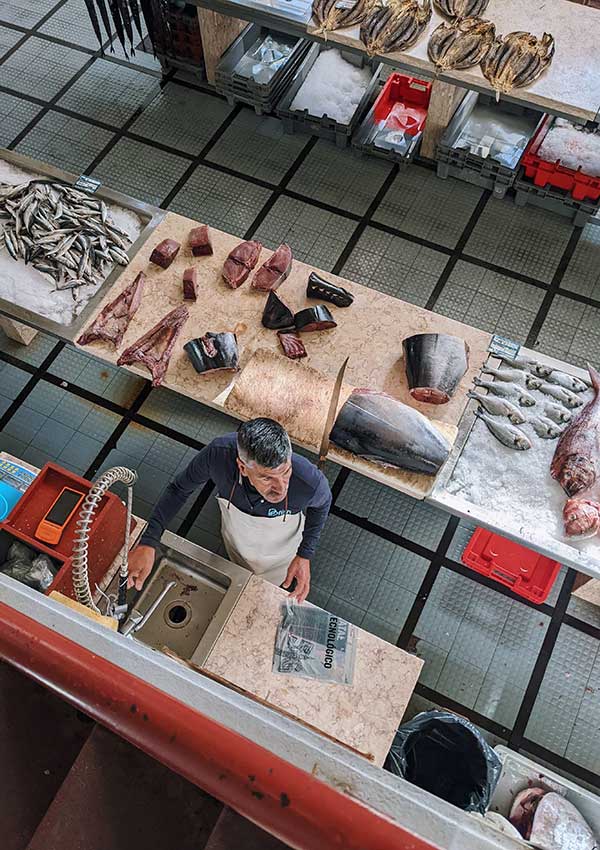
x=296 y=121
x=262 y=96
x=107 y=531
x=412 y=93
x=519 y=773
x=581 y=187
x=558 y=201
x=480 y=165
x=525 y=572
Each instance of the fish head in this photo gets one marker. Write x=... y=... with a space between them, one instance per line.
x=577 y=474
x=527 y=401
x=581 y=518
x=522 y=443
x=517 y=418
x=532 y=382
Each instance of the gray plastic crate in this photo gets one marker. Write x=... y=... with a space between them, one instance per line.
x=362 y=144
x=262 y=96
x=579 y=213
x=296 y=121
x=478 y=169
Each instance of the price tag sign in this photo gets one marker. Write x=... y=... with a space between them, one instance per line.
x=501 y=346
x=87 y=184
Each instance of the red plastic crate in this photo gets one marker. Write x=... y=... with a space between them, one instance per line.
x=107 y=530
x=581 y=186
x=411 y=92
x=525 y=572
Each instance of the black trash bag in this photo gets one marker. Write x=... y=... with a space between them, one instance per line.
x=447 y=756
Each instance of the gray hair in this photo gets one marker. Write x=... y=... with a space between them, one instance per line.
x=264 y=442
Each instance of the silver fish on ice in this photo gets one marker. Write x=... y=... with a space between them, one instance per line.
x=513 y=391
x=561 y=394
x=496 y=406
x=557 y=412
x=516 y=376
x=507 y=434
x=569 y=382
x=545 y=428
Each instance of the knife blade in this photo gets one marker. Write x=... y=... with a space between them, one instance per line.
x=331 y=413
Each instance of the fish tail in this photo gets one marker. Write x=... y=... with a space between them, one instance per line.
x=594 y=377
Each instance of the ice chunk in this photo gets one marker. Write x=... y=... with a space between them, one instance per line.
x=333 y=87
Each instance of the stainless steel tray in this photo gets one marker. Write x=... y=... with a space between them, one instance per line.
x=151 y=217
x=560 y=551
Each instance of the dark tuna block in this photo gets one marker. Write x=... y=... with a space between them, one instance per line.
x=164 y=253
x=199 y=240
x=190 y=285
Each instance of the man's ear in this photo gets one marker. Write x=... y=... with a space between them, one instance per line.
x=241 y=466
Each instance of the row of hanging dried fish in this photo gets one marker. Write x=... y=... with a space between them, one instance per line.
x=120 y=17
x=466 y=40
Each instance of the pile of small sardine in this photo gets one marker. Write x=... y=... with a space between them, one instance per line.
x=66 y=235
x=511 y=385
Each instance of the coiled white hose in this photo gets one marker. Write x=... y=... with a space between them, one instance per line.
x=81 y=583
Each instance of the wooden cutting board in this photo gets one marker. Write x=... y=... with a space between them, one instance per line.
x=298 y=396
x=363 y=716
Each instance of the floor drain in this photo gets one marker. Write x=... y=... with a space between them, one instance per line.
x=178 y=614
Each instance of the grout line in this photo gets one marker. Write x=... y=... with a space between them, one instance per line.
x=486 y=723
x=427 y=584
x=113 y=440
x=365 y=220
x=120 y=134
x=458 y=249
x=546 y=304
x=517 y=736
x=279 y=190
x=195 y=509
x=197 y=160
x=36 y=376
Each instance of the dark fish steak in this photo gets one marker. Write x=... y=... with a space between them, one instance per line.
x=320 y=288
x=575 y=461
x=112 y=323
x=199 y=241
x=155 y=347
x=240 y=263
x=164 y=253
x=380 y=428
x=190 y=284
x=435 y=365
x=314 y=319
x=292 y=345
x=274 y=271
x=276 y=314
x=213 y=352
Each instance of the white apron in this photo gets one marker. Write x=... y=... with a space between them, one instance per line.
x=264 y=545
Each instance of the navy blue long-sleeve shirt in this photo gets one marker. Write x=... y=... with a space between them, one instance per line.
x=308 y=492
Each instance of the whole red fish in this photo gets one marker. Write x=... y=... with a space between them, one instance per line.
x=576 y=460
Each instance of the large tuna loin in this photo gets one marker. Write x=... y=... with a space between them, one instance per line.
x=435 y=365
x=379 y=428
x=575 y=461
x=113 y=321
x=271 y=274
x=155 y=347
x=213 y=352
x=558 y=825
x=240 y=262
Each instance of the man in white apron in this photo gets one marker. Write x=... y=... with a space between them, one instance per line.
x=273 y=502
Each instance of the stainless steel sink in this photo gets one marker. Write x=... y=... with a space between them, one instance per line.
x=190 y=616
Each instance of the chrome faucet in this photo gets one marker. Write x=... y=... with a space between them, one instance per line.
x=136 y=619
x=81 y=583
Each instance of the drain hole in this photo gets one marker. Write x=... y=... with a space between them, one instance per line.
x=177 y=614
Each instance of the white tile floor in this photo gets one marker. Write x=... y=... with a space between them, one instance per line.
x=374 y=565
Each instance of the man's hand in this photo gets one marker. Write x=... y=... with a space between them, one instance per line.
x=299 y=569
x=141 y=561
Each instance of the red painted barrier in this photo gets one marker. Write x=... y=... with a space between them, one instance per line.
x=291 y=804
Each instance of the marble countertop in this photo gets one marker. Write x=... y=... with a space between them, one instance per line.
x=363 y=716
